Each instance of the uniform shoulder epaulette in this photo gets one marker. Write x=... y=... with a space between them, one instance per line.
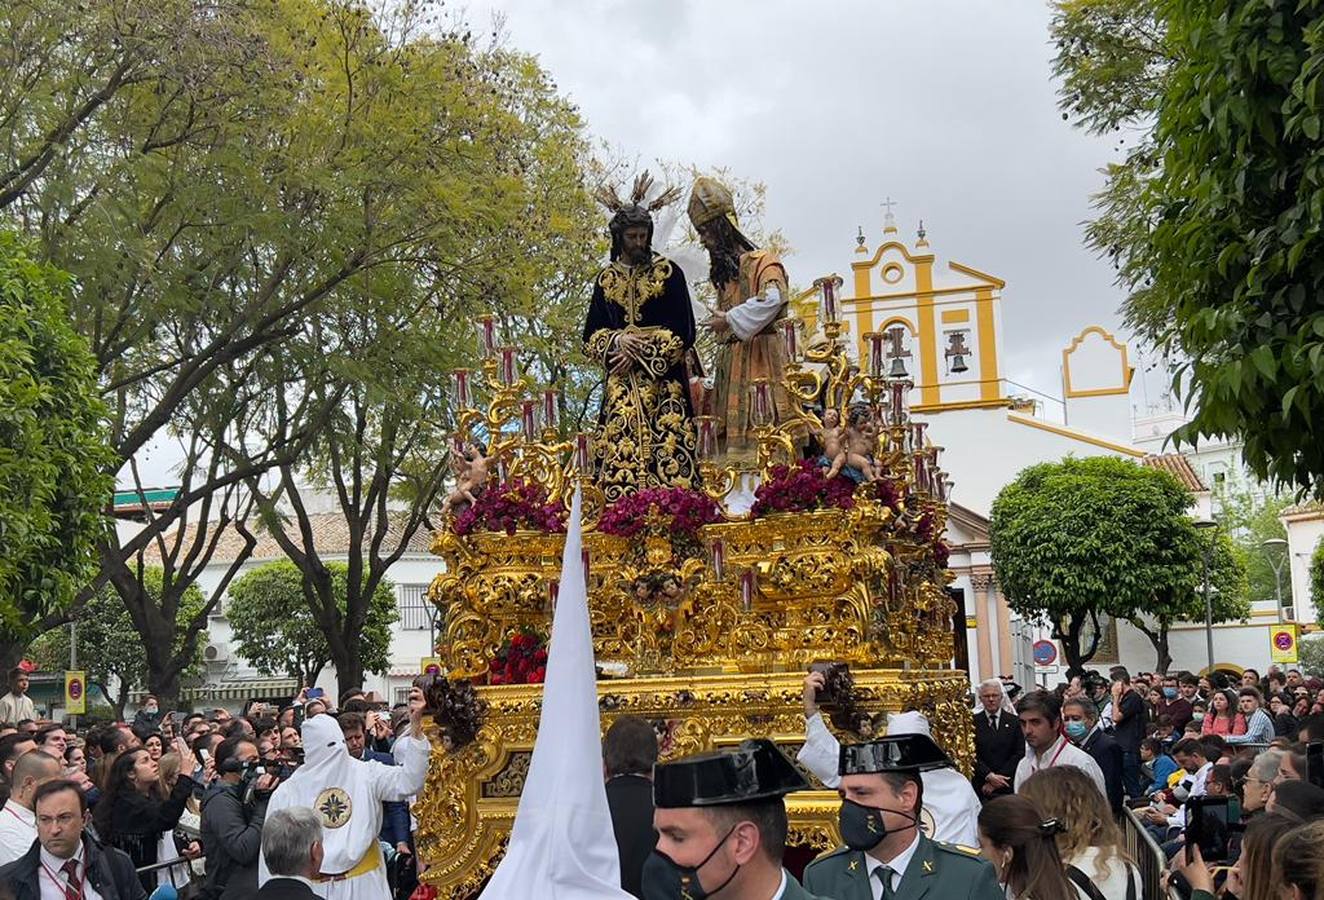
x=957 y=849
x=839 y=851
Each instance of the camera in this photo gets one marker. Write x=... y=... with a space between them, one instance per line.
x=836 y=683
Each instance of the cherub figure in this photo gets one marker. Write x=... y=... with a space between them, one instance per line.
x=834 y=448
x=862 y=441
x=470 y=468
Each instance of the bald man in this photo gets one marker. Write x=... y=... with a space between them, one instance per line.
x=18 y=823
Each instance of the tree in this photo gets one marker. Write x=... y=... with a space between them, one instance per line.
x=109 y=648
x=1074 y=539
x=1312 y=655
x=1251 y=519
x=53 y=487
x=1214 y=221
x=1317 y=579
x=276 y=632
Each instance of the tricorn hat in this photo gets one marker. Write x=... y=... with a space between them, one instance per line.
x=756 y=770
x=898 y=753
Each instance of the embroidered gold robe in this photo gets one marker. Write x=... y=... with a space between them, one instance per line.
x=646 y=434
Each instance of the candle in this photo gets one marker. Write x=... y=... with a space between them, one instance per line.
x=507 y=366
x=583 y=458
x=917 y=435
x=553 y=591
x=760 y=402
x=550 y=401
x=747 y=590
x=940 y=482
x=462 y=398
x=487 y=335
x=529 y=419
x=719 y=559
x=921 y=473
x=790 y=339
x=875 y=340
x=707 y=437
x=900 y=401
x=501 y=470
x=827 y=288
x=584 y=555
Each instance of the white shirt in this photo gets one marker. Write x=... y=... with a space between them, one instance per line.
x=1198 y=784
x=1061 y=753
x=898 y=864
x=781 y=888
x=753 y=315
x=15 y=709
x=1113 y=886
x=18 y=829
x=51 y=876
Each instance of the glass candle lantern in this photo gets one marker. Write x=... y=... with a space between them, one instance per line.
x=874 y=341
x=583 y=456
x=487 y=336
x=707 y=437
x=717 y=551
x=747 y=590
x=550 y=410
x=528 y=419
x=507 y=368
x=588 y=568
x=791 y=340
x=900 y=402
x=553 y=591
x=921 y=468
x=760 y=402
x=827 y=289
x=460 y=381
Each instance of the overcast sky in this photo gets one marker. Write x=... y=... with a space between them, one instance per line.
x=945 y=105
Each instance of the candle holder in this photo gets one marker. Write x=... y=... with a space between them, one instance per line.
x=717 y=556
x=528 y=419
x=487 y=335
x=900 y=401
x=583 y=454
x=760 y=402
x=507 y=368
x=791 y=339
x=586 y=557
x=707 y=436
x=553 y=592
x=460 y=383
x=747 y=589
x=827 y=289
x=550 y=408
x=874 y=342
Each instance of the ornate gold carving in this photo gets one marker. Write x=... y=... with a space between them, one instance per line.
x=630 y=287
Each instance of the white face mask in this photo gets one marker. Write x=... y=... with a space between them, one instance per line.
x=150 y=709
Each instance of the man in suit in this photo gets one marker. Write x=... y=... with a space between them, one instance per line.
x=628 y=754
x=999 y=744
x=886 y=855
x=1080 y=720
x=292 y=847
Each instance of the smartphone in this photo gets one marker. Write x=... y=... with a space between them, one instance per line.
x=202 y=755
x=1208 y=825
x=1315 y=763
x=314 y=693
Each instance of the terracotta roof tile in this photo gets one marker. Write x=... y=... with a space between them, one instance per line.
x=1179 y=467
x=330 y=537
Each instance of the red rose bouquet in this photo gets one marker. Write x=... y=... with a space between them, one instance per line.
x=522 y=659
x=511 y=506
x=801 y=488
x=676 y=510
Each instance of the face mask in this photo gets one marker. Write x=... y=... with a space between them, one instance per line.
x=1197 y=717
x=150 y=710
x=1170 y=693
x=1077 y=730
x=862 y=827
x=666 y=879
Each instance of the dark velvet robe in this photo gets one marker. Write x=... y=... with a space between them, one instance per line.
x=646 y=434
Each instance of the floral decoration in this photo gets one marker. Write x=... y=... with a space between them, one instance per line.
x=801 y=488
x=676 y=510
x=511 y=506
x=522 y=659
x=942 y=553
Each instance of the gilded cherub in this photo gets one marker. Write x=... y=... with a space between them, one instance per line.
x=862 y=441
x=470 y=469
x=834 y=449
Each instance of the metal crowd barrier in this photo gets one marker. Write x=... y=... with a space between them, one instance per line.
x=1141 y=847
x=173 y=866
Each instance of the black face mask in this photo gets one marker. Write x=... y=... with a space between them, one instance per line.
x=666 y=879
x=863 y=828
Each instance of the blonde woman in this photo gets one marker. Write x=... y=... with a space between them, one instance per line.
x=189 y=823
x=1091 y=843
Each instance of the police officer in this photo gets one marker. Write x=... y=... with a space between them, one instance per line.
x=721 y=826
x=887 y=857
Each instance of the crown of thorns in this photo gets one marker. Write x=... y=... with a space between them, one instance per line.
x=610 y=197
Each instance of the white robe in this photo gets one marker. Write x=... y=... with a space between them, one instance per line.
x=367 y=784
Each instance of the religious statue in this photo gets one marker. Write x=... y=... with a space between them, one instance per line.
x=640 y=327
x=752 y=294
x=469 y=466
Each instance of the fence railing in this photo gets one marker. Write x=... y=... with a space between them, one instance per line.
x=1149 y=859
x=176 y=868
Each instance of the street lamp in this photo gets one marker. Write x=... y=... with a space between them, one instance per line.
x=1277 y=544
x=1207 y=525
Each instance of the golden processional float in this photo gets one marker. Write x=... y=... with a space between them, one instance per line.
x=703 y=621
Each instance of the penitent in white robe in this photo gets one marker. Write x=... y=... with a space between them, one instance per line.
x=347 y=794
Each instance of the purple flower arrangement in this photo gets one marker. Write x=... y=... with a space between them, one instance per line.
x=678 y=510
x=801 y=488
x=512 y=506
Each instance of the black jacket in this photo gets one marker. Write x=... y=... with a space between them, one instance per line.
x=997 y=751
x=1108 y=754
x=232 y=839
x=284 y=889
x=137 y=823
x=108 y=870
x=630 y=799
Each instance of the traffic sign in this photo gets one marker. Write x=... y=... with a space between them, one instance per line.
x=1045 y=653
x=75 y=693
x=1283 y=643
x=430 y=665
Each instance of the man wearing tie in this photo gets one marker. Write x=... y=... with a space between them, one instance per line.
x=999 y=744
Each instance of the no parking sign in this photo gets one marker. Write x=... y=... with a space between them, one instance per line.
x=1283 y=643
x=1045 y=653
x=75 y=693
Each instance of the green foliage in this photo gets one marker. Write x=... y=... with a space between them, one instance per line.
x=109 y=647
x=276 y=632
x=1312 y=655
x=1081 y=537
x=1251 y=520
x=52 y=445
x=1316 y=578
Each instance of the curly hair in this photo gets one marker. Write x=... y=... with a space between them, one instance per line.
x=1069 y=795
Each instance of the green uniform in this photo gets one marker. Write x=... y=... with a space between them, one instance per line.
x=939 y=871
x=795 y=892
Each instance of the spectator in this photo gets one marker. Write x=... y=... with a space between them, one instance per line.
x=1217 y=747
x=177 y=843
x=1312 y=729
x=148 y=718
x=1301 y=799
x=132 y=814
x=16 y=706
x=1223 y=718
x=1014 y=837
x=1189 y=686
x=1259 y=727
x=1174 y=704
x=628 y=754
x=114 y=741
x=1164 y=732
x=1250 y=679
x=75 y=757
x=999 y=744
x=1161 y=764
x=1292 y=768
x=53 y=740
x=1040 y=723
x=154 y=746
x=234 y=810
x=1260 y=779
x=1192 y=756
x=12 y=746
x=395 y=814
x=1298 y=862
x=1080 y=722
x=1219 y=782
x=290 y=740
x=63 y=855
x=1128 y=718
x=1280 y=712
x=18 y=823
x=1199 y=710
x=1253 y=877
x=293 y=850
x=1091 y=843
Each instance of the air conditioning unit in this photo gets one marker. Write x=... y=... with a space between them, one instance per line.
x=216 y=653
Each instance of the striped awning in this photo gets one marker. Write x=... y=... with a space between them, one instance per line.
x=241 y=689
